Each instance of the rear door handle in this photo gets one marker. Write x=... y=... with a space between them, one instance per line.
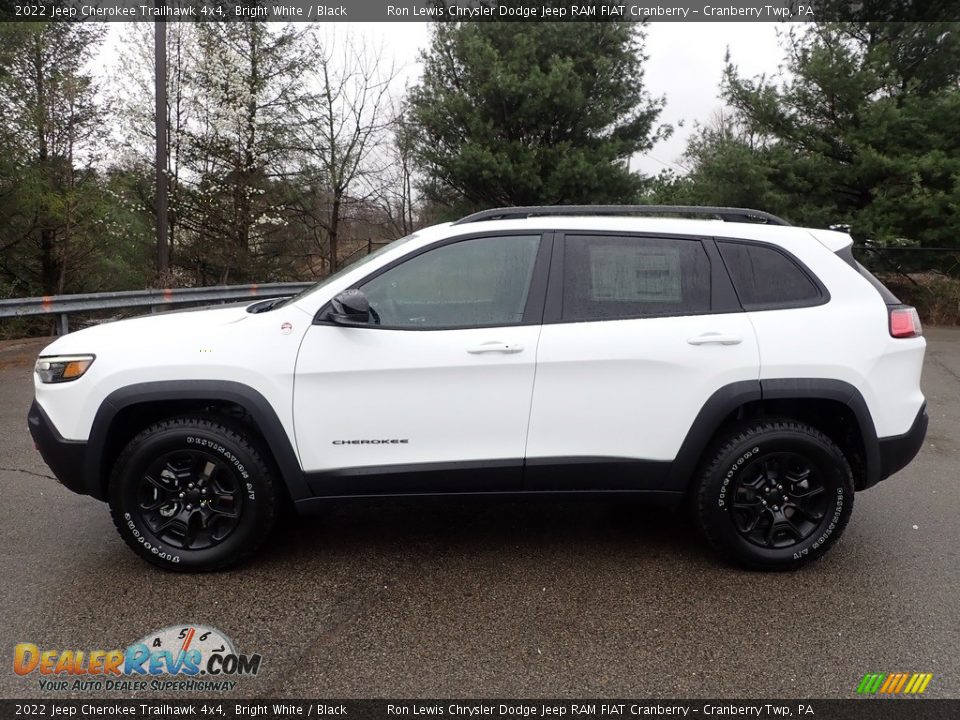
x=712 y=338
x=495 y=346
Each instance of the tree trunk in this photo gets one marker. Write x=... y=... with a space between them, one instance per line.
x=334 y=231
x=49 y=271
x=161 y=154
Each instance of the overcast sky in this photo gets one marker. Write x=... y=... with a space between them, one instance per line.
x=685 y=65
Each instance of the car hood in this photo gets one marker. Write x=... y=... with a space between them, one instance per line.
x=150 y=330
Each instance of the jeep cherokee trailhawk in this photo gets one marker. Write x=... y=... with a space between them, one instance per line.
x=716 y=355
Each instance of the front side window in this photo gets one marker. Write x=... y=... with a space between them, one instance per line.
x=472 y=283
x=610 y=277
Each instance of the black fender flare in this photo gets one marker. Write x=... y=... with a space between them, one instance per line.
x=731 y=397
x=255 y=404
x=843 y=393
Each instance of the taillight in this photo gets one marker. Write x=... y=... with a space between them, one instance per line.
x=905 y=322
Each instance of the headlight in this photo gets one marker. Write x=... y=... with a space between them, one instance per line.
x=62 y=368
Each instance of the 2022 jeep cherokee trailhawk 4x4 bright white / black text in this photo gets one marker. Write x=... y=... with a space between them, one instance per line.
x=716 y=355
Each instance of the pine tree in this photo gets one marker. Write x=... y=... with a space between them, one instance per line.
x=50 y=121
x=532 y=113
x=861 y=130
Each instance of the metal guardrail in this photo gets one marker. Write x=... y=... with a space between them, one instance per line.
x=65 y=305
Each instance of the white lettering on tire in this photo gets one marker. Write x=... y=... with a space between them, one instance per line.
x=828 y=531
x=147 y=545
x=736 y=465
x=217 y=447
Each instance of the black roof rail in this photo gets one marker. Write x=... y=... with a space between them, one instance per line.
x=728 y=214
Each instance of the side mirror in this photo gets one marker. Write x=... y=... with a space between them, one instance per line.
x=351 y=307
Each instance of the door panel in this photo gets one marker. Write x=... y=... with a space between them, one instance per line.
x=427 y=390
x=417 y=403
x=634 y=348
x=632 y=388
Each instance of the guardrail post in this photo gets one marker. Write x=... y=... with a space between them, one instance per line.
x=63 y=324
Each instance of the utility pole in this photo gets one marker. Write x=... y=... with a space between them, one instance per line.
x=160 y=95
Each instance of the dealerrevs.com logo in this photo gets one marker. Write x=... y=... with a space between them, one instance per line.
x=187 y=658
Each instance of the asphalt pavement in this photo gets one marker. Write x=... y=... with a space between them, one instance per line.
x=505 y=599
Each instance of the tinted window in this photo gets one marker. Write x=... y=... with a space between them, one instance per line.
x=608 y=277
x=765 y=277
x=475 y=282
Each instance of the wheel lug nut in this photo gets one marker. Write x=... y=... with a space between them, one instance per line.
x=190 y=486
x=189 y=506
x=182 y=494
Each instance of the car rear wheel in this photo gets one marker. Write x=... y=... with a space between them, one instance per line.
x=774 y=495
x=192 y=494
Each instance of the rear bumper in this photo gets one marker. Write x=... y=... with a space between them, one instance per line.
x=66 y=458
x=897 y=452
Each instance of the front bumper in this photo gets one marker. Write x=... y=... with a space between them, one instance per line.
x=66 y=458
x=897 y=452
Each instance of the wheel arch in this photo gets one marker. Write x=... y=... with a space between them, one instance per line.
x=128 y=410
x=834 y=407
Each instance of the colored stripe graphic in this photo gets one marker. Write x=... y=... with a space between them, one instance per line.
x=188 y=640
x=914 y=683
x=894 y=683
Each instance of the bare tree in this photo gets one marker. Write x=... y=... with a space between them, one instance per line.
x=391 y=189
x=133 y=88
x=249 y=85
x=347 y=125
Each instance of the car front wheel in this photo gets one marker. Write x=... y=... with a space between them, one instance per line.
x=192 y=494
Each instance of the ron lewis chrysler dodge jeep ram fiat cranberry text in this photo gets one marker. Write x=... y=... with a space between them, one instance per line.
x=710 y=354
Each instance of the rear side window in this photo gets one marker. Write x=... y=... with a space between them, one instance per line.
x=610 y=277
x=766 y=278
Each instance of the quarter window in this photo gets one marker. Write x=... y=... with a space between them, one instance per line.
x=766 y=278
x=610 y=277
x=472 y=283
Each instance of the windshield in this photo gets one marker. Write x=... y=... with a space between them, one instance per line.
x=343 y=271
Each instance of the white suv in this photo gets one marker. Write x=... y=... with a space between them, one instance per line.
x=751 y=367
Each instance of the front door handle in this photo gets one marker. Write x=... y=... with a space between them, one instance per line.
x=712 y=338
x=495 y=346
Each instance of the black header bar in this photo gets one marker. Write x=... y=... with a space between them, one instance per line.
x=475 y=10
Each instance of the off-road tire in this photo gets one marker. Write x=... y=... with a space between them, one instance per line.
x=734 y=489
x=238 y=464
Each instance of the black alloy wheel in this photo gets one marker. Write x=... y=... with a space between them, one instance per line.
x=194 y=493
x=779 y=500
x=190 y=499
